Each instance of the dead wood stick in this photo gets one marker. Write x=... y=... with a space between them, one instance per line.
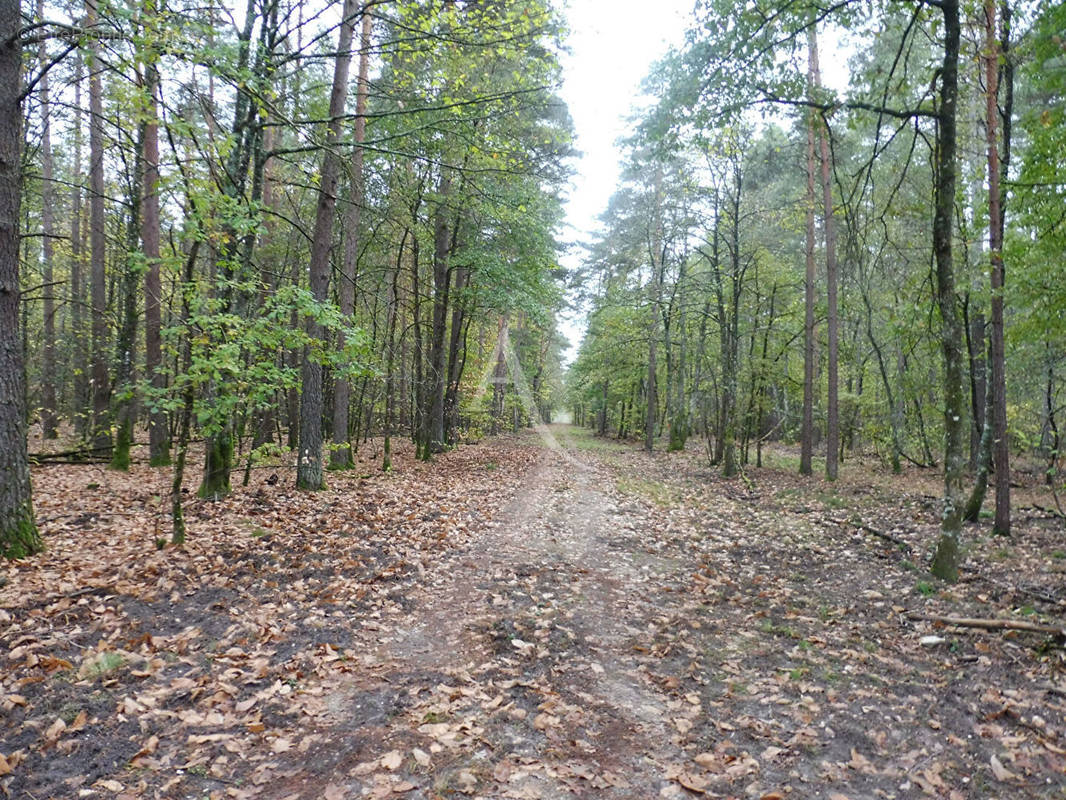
x=888 y=537
x=991 y=624
x=81 y=452
x=1054 y=512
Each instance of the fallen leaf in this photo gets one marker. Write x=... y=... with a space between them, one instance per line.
x=502 y=772
x=467 y=782
x=544 y=720
x=421 y=757
x=148 y=748
x=694 y=783
x=707 y=760
x=281 y=745
x=79 y=722
x=55 y=730
x=1000 y=771
x=392 y=760
x=861 y=763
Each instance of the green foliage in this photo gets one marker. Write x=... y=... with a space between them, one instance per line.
x=237 y=356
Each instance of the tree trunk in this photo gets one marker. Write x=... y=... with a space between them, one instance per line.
x=456 y=346
x=232 y=257
x=18 y=531
x=996 y=219
x=972 y=511
x=341 y=455
x=809 y=352
x=100 y=428
x=158 y=440
x=499 y=376
x=48 y=355
x=946 y=559
x=80 y=400
x=127 y=330
x=177 y=516
x=390 y=357
x=309 y=463
x=730 y=336
x=655 y=262
x=832 y=410
x=977 y=352
x=433 y=414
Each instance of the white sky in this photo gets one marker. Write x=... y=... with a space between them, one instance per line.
x=613 y=43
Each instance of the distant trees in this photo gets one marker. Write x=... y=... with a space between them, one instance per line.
x=930 y=83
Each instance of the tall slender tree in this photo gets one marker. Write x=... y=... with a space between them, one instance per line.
x=341 y=454
x=832 y=322
x=158 y=440
x=309 y=463
x=809 y=349
x=101 y=393
x=996 y=217
x=946 y=558
x=18 y=531
x=48 y=354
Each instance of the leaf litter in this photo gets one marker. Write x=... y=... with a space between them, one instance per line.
x=514 y=621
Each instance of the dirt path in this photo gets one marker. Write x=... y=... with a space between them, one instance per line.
x=598 y=643
x=546 y=616
x=529 y=639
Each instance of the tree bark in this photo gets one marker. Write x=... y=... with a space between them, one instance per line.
x=972 y=512
x=101 y=397
x=158 y=440
x=80 y=403
x=341 y=454
x=18 y=531
x=655 y=263
x=309 y=463
x=393 y=313
x=127 y=330
x=228 y=261
x=730 y=334
x=996 y=218
x=48 y=355
x=455 y=359
x=433 y=416
x=832 y=408
x=946 y=559
x=809 y=351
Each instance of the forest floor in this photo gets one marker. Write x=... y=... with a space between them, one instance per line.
x=533 y=616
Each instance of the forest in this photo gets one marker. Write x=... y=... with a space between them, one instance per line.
x=260 y=231
x=284 y=290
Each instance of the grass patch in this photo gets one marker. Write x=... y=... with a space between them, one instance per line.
x=585 y=439
x=779 y=630
x=655 y=492
x=925 y=589
x=832 y=500
x=101 y=664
